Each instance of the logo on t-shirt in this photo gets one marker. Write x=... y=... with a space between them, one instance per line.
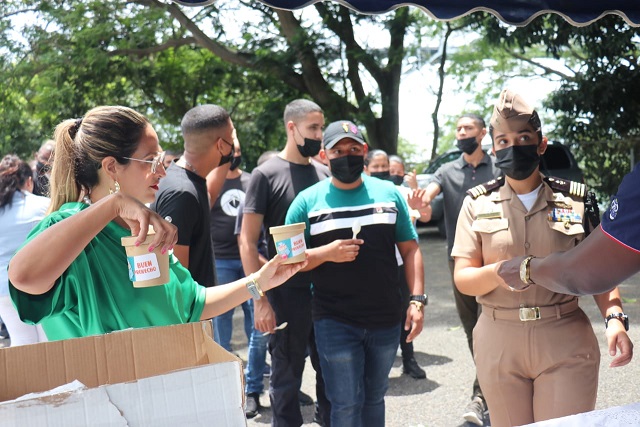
x=613 y=210
x=230 y=200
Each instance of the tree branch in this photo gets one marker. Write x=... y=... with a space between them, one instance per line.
x=344 y=30
x=353 y=63
x=18 y=12
x=172 y=43
x=205 y=41
x=547 y=70
x=223 y=52
x=315 y=83
x=441 y=77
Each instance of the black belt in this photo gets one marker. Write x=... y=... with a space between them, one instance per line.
x=526 y=314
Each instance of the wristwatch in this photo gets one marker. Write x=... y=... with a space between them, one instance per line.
x=422 y=299
x=620 y=316
x=525 y=271
x=253 y=287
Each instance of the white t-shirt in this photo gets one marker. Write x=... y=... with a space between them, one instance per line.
x=16 y=221
x=530 y=198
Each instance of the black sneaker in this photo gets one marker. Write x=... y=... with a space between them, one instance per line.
x=252 y=406
x=316 y=416
x=411 y=368
x=305 y=399
x=474 y=412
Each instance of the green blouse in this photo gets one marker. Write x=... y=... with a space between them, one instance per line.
x=95 y=296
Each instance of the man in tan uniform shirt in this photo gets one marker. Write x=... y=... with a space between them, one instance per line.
x=536 y=354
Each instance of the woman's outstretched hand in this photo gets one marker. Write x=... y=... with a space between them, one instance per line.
x=274 y=273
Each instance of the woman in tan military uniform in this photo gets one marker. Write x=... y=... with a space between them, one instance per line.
x=536 y=354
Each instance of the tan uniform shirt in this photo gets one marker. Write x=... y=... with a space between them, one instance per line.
x=496 y=226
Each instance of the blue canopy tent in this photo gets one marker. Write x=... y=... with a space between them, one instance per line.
x=514 y=12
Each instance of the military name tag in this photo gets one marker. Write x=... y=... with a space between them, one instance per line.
x=489 y=215
x=559 y=202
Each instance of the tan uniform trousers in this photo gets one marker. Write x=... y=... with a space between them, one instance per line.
x=536 y=370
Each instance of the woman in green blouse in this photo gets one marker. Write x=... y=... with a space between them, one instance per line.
x=72 y=276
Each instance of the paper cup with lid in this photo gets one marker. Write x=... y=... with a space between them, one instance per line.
x=289 y=240
x=146 y=268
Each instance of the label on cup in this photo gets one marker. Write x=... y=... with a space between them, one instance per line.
x=292 y=246
x=143 y=267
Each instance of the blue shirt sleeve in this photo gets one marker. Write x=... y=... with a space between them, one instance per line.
x=621 y=221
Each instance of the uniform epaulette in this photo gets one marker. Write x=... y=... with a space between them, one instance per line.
x=574 y=188
x=485 y=188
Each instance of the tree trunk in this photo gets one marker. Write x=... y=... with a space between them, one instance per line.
x=441 y=76
x=383 y=132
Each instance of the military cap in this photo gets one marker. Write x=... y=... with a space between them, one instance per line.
x=511 y=112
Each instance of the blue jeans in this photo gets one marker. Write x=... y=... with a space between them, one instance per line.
x=355 y=366
x=256 y=361
x=230 y=270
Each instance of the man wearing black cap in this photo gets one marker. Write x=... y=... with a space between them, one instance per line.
x=353 y=223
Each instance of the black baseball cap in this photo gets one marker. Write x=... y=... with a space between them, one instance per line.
x=337 y=131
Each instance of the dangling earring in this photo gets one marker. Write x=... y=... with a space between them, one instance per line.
x=86 y=199
x=117 y=187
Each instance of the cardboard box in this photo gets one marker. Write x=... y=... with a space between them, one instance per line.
x=165 y=376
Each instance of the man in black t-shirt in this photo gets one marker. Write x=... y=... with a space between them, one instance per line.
x=272 y=188
x=225 y=246
x=208 y=133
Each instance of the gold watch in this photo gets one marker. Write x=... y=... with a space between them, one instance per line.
x=417 y=304
x=525 y=271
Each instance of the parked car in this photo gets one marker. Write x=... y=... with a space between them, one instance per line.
x=556 y=161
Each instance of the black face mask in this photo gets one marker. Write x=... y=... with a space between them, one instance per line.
x=310 y=148
x=347 y=169
x=381 y=175
x=518 y=161
x=42 y=168
x=226 y=158
x=396 y=179
x=235 y=162
x=468 y=145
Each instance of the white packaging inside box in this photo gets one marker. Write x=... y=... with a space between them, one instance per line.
x=167 y=376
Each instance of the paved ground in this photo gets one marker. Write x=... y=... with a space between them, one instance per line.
x=442 y=350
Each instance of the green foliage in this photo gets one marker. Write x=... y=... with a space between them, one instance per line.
x=597 y=106
x=161 y=59
x=413 y=155
x=77 y=55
